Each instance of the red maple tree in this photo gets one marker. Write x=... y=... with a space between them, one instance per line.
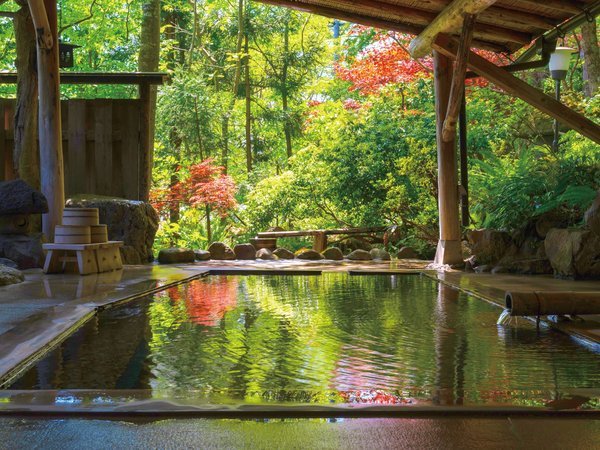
x=386 y=60
x=205 y=185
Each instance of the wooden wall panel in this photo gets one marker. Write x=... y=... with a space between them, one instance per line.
x=101 y=144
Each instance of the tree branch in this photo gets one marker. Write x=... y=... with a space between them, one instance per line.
x=83 y=19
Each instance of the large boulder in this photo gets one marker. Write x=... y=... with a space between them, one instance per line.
x=312 y=255
x=133 y=222
x=244 y=251
x=488 y=246
x=202 y=255
x=407 y=253
x=551 y=219
x=359 y=255
x=176 y=255
x=380 y=254
x=283 y=253
x=17 y=197
x=25 y=250
x=350 y=244
x=265 y=254
x=573 y=253
x=9 y=263
x=220 y=251
x=10 y=275
x=333 y=253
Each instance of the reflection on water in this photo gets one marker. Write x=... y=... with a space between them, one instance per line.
x=333 y=338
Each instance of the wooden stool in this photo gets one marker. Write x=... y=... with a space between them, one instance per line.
x=90 y=258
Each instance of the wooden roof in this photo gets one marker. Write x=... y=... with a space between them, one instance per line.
x=506 y=26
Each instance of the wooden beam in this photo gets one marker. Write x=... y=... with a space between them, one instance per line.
x=98 y=78
x=458 y=79
x=517 y=87
x=448 y=21
x=384 y=24
x=449 y=247
x=39 y=17
x=50 y=133
x=563 y=6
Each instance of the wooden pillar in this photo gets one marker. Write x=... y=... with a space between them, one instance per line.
x=449 y=248
x=146 y=143
x=464 y=163
x=50 y=138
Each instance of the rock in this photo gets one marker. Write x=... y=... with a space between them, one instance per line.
x=17 y=197
x=407 y=253
x=333 y=253
x=284 y=253
x=25 y=250
x=350 y=244
x=202 y=255
x=487 y=245
x=551 y=219
x=539 y=266
x=573 y=253
x=10 y=275
x=220 y=251
x=380 y=254
x=176 y=256
x=466 y=249
x=483 y=268
x=133 y=222
x=9 y=263
x=265 y=254
x=359 y=255
x=244 y=251
x=592 y=216
x=309 y=254
x=275 y=229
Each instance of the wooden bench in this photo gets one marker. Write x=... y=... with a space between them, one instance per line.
x=89 y=258
x=320 y=236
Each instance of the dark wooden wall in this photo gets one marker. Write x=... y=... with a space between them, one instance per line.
x=101 y=146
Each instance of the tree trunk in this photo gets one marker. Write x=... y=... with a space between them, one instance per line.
x=591 y=55
x=225 y=142
x=50 y=135
x=284 y=93
x=248 y=106
x=208 y=229
x=148 y=59
x=26 y=157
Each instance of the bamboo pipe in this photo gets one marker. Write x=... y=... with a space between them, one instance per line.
x=552 y=303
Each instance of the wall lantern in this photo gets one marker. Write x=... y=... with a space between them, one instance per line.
x=65 y=53
x=559 y=66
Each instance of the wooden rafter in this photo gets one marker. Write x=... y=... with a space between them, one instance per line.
x=448 y=21
x=458 y=79
x=365 y=19
x=519 y=88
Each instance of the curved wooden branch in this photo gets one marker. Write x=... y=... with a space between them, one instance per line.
x=41 y=24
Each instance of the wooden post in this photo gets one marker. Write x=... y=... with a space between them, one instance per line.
x=146 y=144
x=449 y=248
x=50 y=134
x=458 y=79
x=464 y=163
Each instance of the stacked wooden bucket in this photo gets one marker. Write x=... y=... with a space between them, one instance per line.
x=80 y=226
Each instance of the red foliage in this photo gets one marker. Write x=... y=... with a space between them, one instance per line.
x=383 y=62
x=205 y=185
x=386 y=61
x=207 y=301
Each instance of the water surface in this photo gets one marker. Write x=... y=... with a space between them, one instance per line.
x=333 y=338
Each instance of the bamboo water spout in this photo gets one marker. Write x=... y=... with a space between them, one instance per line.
x=552 y=303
